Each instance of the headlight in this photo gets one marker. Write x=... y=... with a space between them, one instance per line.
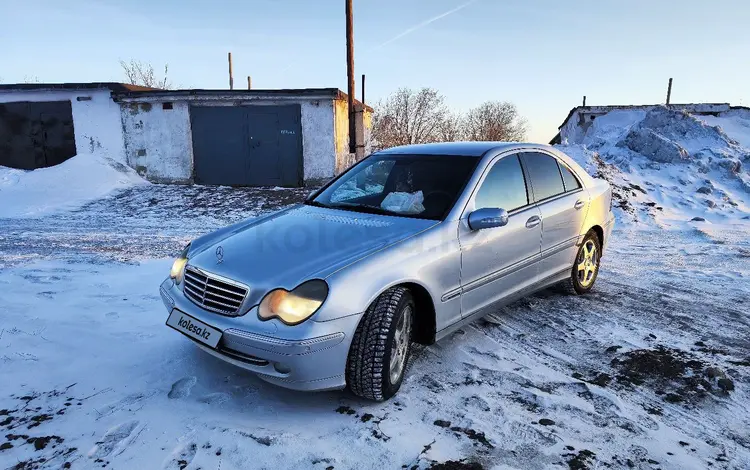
x=178 y=267
x=296 y=306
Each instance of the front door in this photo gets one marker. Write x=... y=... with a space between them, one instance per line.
x=500 y=261
x=563 y=204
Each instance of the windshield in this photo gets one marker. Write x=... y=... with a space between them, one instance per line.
x=421 y=186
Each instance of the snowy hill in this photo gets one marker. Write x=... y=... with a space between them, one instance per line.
x=669 y=167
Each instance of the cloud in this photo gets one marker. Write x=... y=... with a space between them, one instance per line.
x=423 y=24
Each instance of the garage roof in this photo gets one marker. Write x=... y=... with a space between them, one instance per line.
x=115 y=87
x=309 y=93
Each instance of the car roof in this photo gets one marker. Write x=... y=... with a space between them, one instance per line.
x=472 y=149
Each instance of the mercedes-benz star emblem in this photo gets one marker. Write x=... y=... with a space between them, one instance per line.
x=219 y=254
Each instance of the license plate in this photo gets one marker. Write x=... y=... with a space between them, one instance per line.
x=193 y=328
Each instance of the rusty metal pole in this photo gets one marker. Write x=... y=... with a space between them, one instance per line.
x=231 y=79
x=363 y=89
x=669 y=91
x=350 y=74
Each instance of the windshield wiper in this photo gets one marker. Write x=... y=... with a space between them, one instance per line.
x=313 y=202
x=363 y=208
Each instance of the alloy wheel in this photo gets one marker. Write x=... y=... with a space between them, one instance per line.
x=587 y=263
x=400 y=346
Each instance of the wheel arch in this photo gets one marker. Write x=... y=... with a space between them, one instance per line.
x=425 y=325
x=599 y=233
x=425 y=321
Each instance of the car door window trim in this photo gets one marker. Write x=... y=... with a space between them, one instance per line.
x=557 y=196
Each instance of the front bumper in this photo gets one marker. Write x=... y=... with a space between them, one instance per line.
x=310 y=356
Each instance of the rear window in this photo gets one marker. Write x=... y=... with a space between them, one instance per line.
x=569 y=179
x=544 y=174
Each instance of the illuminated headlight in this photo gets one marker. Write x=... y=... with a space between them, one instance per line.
x=178 y=267
x=296 y=306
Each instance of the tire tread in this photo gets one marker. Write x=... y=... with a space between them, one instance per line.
x=365 y=365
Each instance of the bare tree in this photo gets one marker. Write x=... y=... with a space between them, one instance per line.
x=495 y=121
x=409 y=117
x=451 y=128
x=141 y=73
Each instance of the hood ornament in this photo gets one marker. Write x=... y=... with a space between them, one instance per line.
x=219 y=254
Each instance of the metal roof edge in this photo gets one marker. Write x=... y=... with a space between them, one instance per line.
x=201 y=92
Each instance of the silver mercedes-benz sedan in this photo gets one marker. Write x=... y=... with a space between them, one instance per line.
x=406 y=246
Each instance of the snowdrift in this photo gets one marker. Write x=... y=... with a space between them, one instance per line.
x=668 y=167
x=65 y=186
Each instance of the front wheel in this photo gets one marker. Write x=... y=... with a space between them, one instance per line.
x=586 y=265
x=381 y=346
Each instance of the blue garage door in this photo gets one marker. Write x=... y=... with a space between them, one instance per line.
x=247 y=145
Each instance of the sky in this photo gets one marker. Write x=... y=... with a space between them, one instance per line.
x=541 y=55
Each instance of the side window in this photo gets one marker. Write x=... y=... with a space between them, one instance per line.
x=504 y=186
x=571 y=182
x=544 y=174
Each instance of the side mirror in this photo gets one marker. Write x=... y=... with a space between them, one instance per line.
x=488 y=218
x=309 y=196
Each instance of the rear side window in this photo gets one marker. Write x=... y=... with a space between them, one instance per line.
x=569 y=179
x=504 y=186
x=544 y=174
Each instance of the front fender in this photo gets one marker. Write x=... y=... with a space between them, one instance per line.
x=430 y=259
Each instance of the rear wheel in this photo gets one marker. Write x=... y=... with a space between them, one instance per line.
x=586 y=265
x=381 y=346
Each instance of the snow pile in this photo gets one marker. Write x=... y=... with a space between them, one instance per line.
x=668 y=166
x=83 y=178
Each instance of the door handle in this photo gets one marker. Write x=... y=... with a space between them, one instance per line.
x=579 y=204
x=533 y=221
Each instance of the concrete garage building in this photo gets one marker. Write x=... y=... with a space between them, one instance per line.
x=240 y=137
x=217 y=137
x=43 y=125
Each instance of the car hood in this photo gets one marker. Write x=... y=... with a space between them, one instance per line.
x=297 y=244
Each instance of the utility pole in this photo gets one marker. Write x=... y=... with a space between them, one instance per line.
x=584 y=101
x=669 y=91
x=363 y=89
x=249 y=83
x=350 y=74
x=231 y=79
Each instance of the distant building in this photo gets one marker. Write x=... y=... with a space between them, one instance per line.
x=581 y=117
x=221 y=137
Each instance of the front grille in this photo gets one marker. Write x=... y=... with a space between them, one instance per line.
x=212 y=293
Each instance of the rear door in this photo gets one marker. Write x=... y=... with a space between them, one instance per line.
x=500 y=261
x=563 y=204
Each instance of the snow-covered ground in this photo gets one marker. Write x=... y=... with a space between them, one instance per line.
x=68 y=185
x=92 y=377
x=651 y=370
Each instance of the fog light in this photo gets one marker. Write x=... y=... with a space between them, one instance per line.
x=281 y=368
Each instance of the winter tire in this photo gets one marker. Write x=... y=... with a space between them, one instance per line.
x=586 y=265
x=380 y=350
